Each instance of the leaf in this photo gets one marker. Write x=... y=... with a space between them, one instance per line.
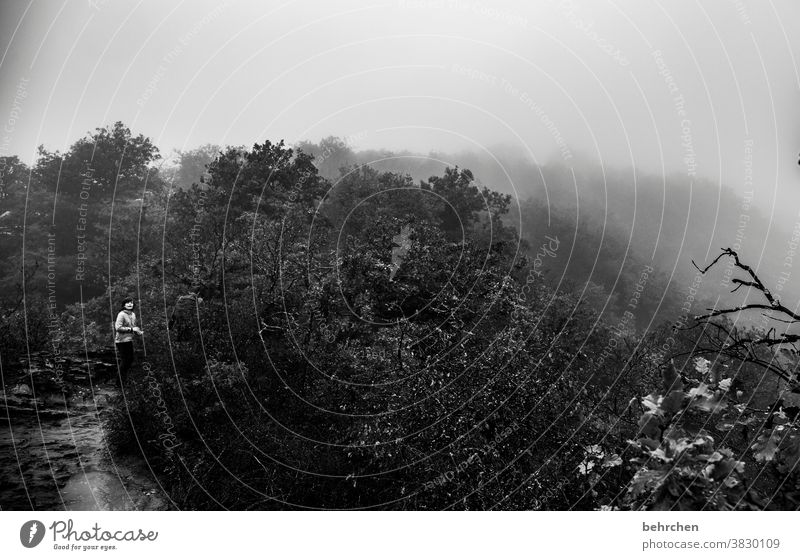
x=673 y=433
x=650 y=402
x=672 y=402
x=701 y=365
x=790 y=455
x=649 y=426
x=648 y=443
x=780 y=417
x=645 y=480
x=612 y=461
x=702 y=390
x=707 y=400
x=790 y=400
x=659 y=453
x=725 y=467
x=766 y=446
x=595 y=450
x=730 y=482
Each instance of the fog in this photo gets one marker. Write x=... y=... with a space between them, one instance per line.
x=374 y=243
x=636 y=99
x=702 y=89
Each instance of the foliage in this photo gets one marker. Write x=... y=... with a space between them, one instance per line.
x=681 y=467
x=378 y=341
x=680 y=464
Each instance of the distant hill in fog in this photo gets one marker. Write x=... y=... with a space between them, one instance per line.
x=612 y=223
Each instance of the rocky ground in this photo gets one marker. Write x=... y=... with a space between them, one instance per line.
x=52 y=440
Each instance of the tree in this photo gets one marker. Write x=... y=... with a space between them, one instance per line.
x=109 y=162
x=193 y=164
x=694 y=438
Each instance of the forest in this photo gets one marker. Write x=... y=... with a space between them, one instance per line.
x=333 y=329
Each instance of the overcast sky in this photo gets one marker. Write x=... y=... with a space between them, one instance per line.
x=685 y=86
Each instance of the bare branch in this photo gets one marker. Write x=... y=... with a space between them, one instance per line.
x=755 y=282
x=718 y=312
x=729 y=342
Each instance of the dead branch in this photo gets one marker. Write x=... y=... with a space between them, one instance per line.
x=755 y=282
x=745 y=347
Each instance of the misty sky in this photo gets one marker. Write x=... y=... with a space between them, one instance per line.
x=687 y=86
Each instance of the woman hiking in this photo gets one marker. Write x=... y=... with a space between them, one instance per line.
x=124 y=328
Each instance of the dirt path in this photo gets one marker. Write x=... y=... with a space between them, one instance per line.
x=55 y=455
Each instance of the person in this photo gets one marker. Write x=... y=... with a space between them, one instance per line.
x=124 y=328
